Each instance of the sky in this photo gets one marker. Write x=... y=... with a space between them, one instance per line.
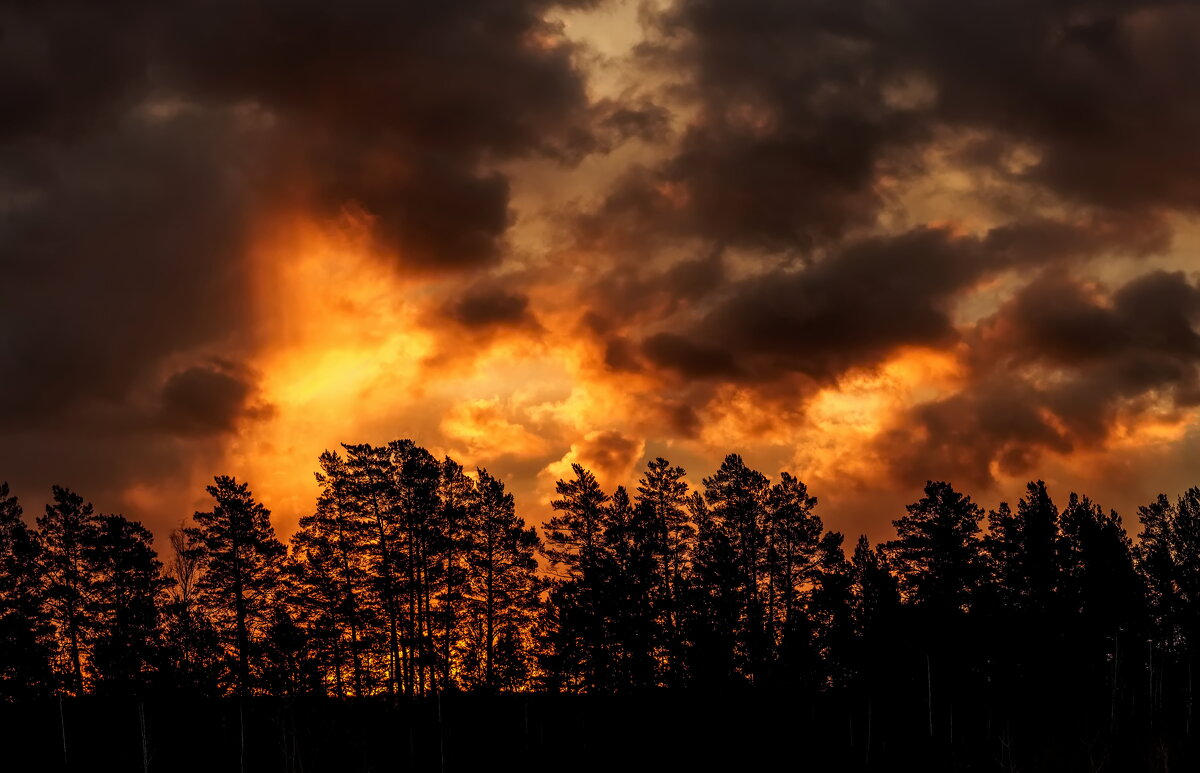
x=870 y=242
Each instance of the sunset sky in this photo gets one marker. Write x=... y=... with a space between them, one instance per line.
x=866 y=241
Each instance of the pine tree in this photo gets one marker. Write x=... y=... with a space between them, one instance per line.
x=1169 y=558
x=457 y=493
x=937 y=553
x=1024 y=548
x=416 y=476
x=241 y=561
x=502 y=589
x=1103 y=597
x=876 y=615
x=127 y=582
x=633 y=592
x=941 y=567
x=1025 y=553
x=736 y=497
x=375 y=503
x=574 y=544
x=662 y=501
x=64 y=531
x=831 y=610
x=714 y=606
x=24 y=627
x=317 y=594
x=330 y=551
x=793 y=557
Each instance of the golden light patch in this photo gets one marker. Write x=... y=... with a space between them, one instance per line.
x=338 y=347
x=845 y=420
x=485 y=432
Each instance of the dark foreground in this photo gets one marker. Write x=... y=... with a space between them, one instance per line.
x=747 y=730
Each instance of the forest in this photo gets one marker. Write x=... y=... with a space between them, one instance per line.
x=415 y=621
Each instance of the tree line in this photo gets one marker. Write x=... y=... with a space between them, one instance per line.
x=412 y=577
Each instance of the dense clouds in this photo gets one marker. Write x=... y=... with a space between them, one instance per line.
x=779 y=227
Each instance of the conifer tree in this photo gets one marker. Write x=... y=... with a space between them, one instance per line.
x=24 y=627
x=662 y=500
x=64 y=530
x=416 y=477
x=633 y=592
x=876 y=614
x=127 y=585
x=793 y=557
x=736 y=497
x=241 y=561
x=937 y=552
x=329 y=551
x=372 y=494
x=501 y=592
x=1103 y=597
x=457 y=494
x=831 y=610
x=575 y=546
x=1024 y=548
x=711 y=615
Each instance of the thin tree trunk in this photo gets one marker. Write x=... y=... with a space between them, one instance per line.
x=145 y=746
x=243 y=637
x=389 y=603
x=62 y=723
x=929 y=689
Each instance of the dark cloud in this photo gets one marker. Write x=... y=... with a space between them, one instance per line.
x=621 y=354
x=141 y=144
x=1055 y=369
x=1097 y=87
x=127 y=247
x=68 y=67
x=803 y=107
x=208 y=399
x=804 y=110
x=690 y=358
x=398 y=107
x=609 y=453
x=490 y=306
x=864 y=299
x=848 y=309
x=642 y=120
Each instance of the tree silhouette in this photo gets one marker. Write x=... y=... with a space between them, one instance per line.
x=64 y=530
x=416 y=477
x=794 y=564
x=329 y=551
x=574 y=544
x=736 y=497
x=877 y=618
x=501 y=591
x=634 y=593
x=937 y=553
x=661 y=504
x=372 y=496
x=127 y=586
x=457 y=493
x=1053 y=632
x=24 y=626
x=1026 y=553
x=1104 y=598
x=241 y=561
x=940 y=566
